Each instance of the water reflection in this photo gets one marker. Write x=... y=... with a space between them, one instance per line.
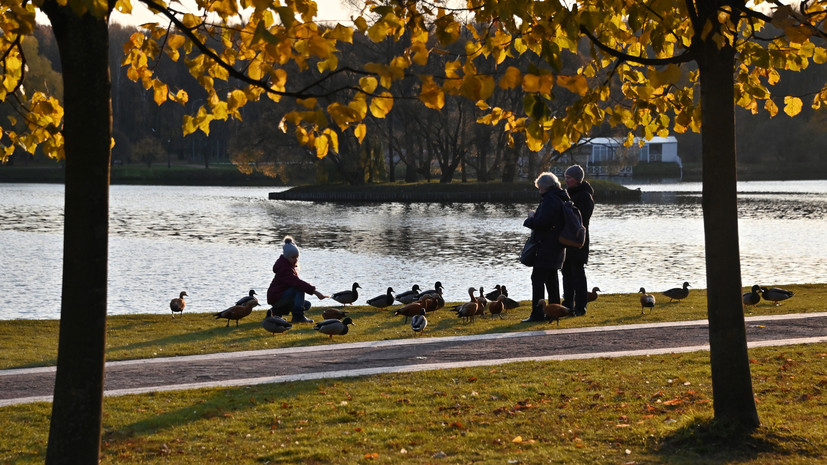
x=218 y=242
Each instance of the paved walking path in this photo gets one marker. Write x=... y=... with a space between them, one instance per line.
x=425 y=353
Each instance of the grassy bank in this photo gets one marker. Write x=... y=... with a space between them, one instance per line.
x=176 y=175
x=158 y=335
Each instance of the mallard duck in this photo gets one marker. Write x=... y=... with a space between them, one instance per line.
x=496 y=307
x=236 y=312
x=508 y=303
x=275 y=324
x=436 y=290
x=409 y=296
x=495 y=293
x=411 y=309
x=646 y=300
x=383 y=300
x=753 y=297
x=347 y=297
x=177 y=305
x=246 y=298
x=419 y=322
x=333 y=314
x=677 y=293
x=593 y=294
x=776 y=294
x=554 y=312
x=334 y=327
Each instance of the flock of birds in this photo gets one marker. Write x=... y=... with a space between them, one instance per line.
x=416 y=304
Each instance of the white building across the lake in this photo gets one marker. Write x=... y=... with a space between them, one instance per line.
x=608 y=156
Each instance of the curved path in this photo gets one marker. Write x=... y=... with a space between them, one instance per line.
x=424 y=353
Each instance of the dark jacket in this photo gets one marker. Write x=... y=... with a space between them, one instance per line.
x=583 y=198
x=546 y=224
x=285 y=278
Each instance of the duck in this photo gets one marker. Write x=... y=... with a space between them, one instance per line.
x=347 y=297
x=333 y=314
x=177 y=305
x=753 y=297
x=275 y=324
x=436 y=290
x=334 y=327
x=677 y=293
x=495 y=293
x=496 y=307
x=411 y=309
x=508 y=302
x=554 y=312
x=236 y=312
x=646 y=300
x=776 y=294
x=383 y=300
x=246 y=298
x=419 y=322
x=431 y=302
x=468 y=310
x=592 y=296
x=409 y=296
x=481 y=299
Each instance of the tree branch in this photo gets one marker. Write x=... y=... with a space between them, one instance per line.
x=684 y=57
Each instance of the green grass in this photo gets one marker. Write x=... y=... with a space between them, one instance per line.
x=631 y=410
x=158 y=335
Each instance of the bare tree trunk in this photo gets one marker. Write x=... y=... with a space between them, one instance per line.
x=75 y=430
x=733 y=399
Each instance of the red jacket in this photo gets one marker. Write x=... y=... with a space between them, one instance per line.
x=285 y=278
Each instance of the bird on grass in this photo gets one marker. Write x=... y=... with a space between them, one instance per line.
x=347 y=297
x=592 y=296
x=412 y=309
x=246 y=298
x=677 y=293
x=177 y=305
x=508 y=303
x=495 y=293
x=409 y=296
x=333 y=314
x=468 y=310
x=554 y=312
x=419 y=322
x=436 y=290
x=334 y=327
x=752 y=297
x=646 y=301
x=496 y=307
x=236 y=312
x=383 y=300
x=776 y=294
x=275 y=324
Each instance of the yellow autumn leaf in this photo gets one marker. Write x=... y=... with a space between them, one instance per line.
x=368 y=84
x=306 y=102
x=431 y=94
x=511 y=79
x=360 y=131
x=792 y=105
x=381 y=105
x=531 y=83
x=820 y=55
x=771 y=107
x=576 y=84
x=159 y=92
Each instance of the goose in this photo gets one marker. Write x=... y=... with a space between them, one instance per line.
x=646 y=300
x=275 y=324
x=497 y=306
x=177 y=305
x=409 y=296
x=347 y=297
x=333 y=314
x=411 y=309
x=236 y=312
x=554 y=312
x=495 y=293
x=593 y=294
x=753 y=297
x=677 y=293
x=419 y=322
x=383 y=300
x=246 y=298
x=436 y=290
x=776 y=294
x=334 y=327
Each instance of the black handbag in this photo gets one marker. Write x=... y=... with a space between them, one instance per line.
x=529 y=253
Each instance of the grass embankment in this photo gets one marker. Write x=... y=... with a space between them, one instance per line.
x=654 y=409
x=160 y=174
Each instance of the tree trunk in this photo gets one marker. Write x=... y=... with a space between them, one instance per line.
x=75 y=430
x=733 y=400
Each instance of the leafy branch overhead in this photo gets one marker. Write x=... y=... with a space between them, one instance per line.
x=635 y=70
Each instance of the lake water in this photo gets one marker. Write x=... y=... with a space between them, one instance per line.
x=218 y=242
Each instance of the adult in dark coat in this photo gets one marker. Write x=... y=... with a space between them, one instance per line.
x=575 y=288
x=545 y=224
x=287 y=290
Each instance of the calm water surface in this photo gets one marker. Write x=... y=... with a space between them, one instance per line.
x=218 y=242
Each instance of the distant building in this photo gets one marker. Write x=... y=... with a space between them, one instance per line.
x=608 y=156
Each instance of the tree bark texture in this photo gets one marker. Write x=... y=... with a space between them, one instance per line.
x=75 y=430
x=733 y=399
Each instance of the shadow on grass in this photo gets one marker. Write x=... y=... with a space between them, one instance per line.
x=709 y=441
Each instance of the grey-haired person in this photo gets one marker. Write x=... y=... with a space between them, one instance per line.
x=286 y=292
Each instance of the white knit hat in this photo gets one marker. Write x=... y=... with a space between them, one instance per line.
x=289 y=250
